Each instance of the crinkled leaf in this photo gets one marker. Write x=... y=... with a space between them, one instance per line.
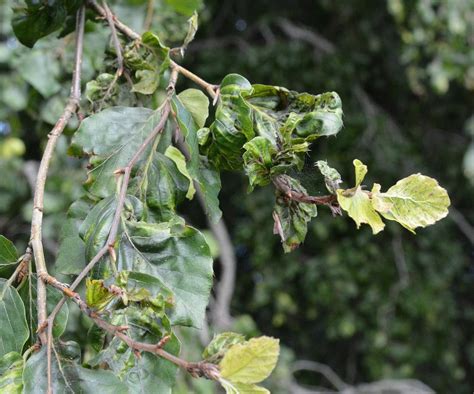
x=332 y=178
x=415 y=201
x=97 y=295
x=11 y=372
x=359 y=207
x=258 y=160
x=179 y=257
x=68 y=376
x=111 y=138
x=207 y=178
x=164 y=187
x=289 y=120
x=180 y=162
x=360 y=172
x=147 y=81
x=197 y=103
x=250 y=362
x=13 y=328
x=220 y=344
x=291 y=217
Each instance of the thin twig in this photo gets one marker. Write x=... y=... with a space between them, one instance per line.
x=196 y=369
x=37 y=216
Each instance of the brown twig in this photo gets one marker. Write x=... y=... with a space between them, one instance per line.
x=196 y=369
x=37 y=216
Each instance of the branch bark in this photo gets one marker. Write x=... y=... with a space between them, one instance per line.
x=38 y=203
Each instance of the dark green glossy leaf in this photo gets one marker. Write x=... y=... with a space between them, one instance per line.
x=179 y=257
x=11 y=371
x=68 y=376
x=206 y=177
x=111 y=138
x=13 y=328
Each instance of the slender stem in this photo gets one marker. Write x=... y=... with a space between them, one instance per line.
x=210 y=88
x=37 y=216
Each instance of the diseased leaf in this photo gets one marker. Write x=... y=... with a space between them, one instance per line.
x=415 y=201
x=360 y=172
x=197 y=103
x=11 y=371
x=180 y=162
x=97 y=295
x=68 y=376
x=291 y=217
x=179 y=257
x=332 y=178
x=258 y=160
x=13 y=328
x=250 y=362
x=359 y=207
x=220 y=344
x=192 y=29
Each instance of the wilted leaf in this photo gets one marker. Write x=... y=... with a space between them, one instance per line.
x=332 y=178
x=258 y=160
x=180 y=161
x=250 y=362
x=97 y=295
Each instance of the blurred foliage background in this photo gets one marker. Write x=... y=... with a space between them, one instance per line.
x=390 y=306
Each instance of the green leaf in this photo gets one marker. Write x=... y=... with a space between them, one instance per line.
x=258 y=161
x=163 y=187
x=41 y=69
x=179 y=257
x=220 y=344
x=8 y=252
x=250 y=362
x=72 y=253
x=97 y=295
x=185 y=7
x=332 y=178
x=291 y=217
x=180 y=161
x=197 y=103
x=287 y=119
x=13 y=328
x=111 y=138
x=68 y=376
x=147 y=81
x=148 y=373
x=39 y=20
x=207 y=178
x=415 y=201
x=11 y=371
x=28 y=293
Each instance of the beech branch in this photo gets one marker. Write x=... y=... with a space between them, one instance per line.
x=38 y=203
